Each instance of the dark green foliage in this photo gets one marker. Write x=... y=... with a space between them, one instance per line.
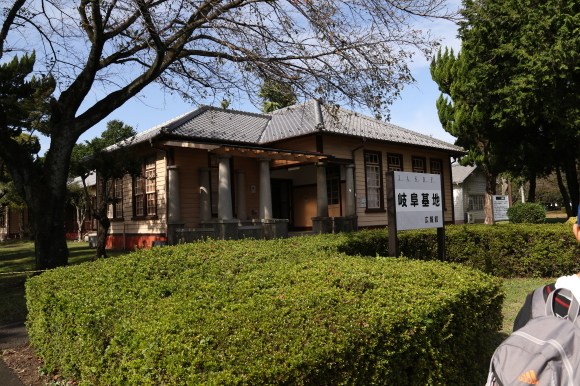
x=506 y=250
x=511 y=94
x=276 y=95
x=23 y=101
x=284 y=312
x=526 y=212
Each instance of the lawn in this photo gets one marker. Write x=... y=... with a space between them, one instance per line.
x=17 y=264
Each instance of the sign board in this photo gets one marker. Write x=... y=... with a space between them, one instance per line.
x=500 y=205
x=418 y=200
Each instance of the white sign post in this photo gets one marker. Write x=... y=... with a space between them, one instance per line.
x=414 y=201
x=500 y=205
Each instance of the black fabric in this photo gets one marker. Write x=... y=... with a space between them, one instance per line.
x=561 y=306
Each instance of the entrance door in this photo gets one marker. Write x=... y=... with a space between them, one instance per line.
x=282 y=199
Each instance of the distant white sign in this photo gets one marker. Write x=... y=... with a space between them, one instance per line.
x=419 y=202
x=500 y=205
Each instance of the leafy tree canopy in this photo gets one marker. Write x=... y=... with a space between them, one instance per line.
x=511 y=94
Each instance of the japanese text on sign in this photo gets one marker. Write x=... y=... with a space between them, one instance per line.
x=419 y=202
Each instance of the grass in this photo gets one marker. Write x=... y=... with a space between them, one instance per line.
x=17 y=264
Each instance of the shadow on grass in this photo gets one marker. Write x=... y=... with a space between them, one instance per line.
x=17 y=264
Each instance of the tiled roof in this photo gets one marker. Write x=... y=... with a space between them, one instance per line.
x=233 y=126
x=301 y=119
x=224 y=125
x=460 y=173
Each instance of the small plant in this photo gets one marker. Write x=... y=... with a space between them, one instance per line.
x=526 y=212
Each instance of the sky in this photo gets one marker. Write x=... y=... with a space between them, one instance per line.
x=414 y=110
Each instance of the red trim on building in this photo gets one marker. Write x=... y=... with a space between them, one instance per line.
x=130 y=242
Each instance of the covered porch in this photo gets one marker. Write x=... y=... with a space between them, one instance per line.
x=283 y=176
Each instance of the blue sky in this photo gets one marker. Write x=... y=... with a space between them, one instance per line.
x=415 y=110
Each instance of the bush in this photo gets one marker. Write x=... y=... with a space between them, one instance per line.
x=284 y=312
x=505 y=250
x=526 y=212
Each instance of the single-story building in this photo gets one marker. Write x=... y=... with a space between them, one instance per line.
x=468 y=194
x=14 y=223
x=228 y=174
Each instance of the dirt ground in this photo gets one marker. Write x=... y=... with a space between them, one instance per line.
x=20 y=358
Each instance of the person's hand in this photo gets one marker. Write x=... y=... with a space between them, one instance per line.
x=576 y=230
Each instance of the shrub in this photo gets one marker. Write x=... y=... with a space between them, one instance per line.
x=284 y=312
x=526 y=212
x=505 y=250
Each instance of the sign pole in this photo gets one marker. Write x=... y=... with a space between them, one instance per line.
x=392 y=215
x=441 y=243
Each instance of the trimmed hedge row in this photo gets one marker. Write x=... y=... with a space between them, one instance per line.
x=504 y=250
x=284 y=312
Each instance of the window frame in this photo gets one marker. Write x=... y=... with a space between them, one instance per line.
x=140 y=194
x=381 y=192
x=415 y=169
x=115 y=211
x=436 y=171
x=394 y=168
x=476 y=197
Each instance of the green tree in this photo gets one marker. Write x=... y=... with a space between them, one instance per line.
x=103 y=53
x=512 y=90
x=276 y=95
x=96 y=156
x=465 y=119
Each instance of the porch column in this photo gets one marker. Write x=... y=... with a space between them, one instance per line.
x=350 y=197
x=204 y=195
x=241 y=194
x=173 y=205
x=224 y=188
x=321 y=192
x=265 y=191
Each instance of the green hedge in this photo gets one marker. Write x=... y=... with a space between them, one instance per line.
x=285 y=312
x=526 y=212
x=505 y=250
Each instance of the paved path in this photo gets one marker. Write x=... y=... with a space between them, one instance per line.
x=12 y=336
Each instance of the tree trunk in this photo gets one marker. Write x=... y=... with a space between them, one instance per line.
x=81 y=211
x=532 y=189
x=564 y=192
x=573 y=185
x=50 y=245
x=102 y=232
x=490 y=186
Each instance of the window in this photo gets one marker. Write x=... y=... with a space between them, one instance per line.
x=395 y=162
x=119 y=198
x=333 y=184
x=115 y=189
x=138 y=199
x=436 y=167
x=110 y=207
x=2 y=217
x=374 y=184
x=145 y=190
x=476 y=202
x=419 y=165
